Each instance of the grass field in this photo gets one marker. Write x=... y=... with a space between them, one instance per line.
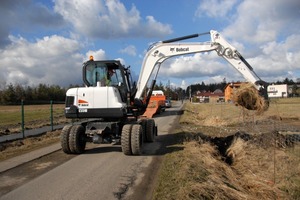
x=228 y=114
x=218 y=163
x=34 y=116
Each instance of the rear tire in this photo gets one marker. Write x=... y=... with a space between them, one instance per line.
x=150 y=130
x=64 y=139
x=126 y=139
x=77 y=139
x=136 y=139
x=144 y=126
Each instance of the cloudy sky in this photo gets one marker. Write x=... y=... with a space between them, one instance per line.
x=47 y=41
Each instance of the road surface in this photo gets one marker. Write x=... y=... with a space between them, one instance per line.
x=102 y=172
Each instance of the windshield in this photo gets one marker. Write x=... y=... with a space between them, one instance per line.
x=103 y=73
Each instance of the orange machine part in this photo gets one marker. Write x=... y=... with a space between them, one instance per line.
x=155 y=105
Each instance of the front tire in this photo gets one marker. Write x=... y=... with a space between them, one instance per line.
x=126 y=139
x=77 y=139
x=136 y=139
x=64 y=139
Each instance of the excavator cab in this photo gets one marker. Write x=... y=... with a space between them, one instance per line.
x=105 y=95
x=103 y=73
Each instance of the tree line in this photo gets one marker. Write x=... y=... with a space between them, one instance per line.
x=206 y=87
x=14 y=94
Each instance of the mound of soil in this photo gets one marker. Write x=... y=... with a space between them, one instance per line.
x=248 y=97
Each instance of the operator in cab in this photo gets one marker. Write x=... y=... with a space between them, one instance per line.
x=99 y=74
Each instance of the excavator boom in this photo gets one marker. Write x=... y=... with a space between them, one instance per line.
x=163 y=50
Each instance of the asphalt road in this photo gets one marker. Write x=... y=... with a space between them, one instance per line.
x=102 y=172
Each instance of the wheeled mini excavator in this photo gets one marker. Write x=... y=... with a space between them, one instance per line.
x=111 y=105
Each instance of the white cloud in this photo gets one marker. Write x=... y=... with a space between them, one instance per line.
x=183 y=84
x=108 y=20
x=98 y=55
x=51 y=60
x=26 y=15
x=215 y=8
x=197 y=65
x=130 y=50
x=49 y=41
x=278 y=58
x=265 y=21
x=266 y=33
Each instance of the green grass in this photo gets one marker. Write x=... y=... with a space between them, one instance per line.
x=12 y=115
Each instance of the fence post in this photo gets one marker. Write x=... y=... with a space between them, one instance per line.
x=22 y=118
x=51 y=114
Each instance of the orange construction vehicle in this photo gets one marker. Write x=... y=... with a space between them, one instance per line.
x=156 y=104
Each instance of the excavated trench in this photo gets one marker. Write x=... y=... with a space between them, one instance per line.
x=264 y=140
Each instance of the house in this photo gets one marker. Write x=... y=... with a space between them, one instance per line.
x=205 y=97
x=277 y=90
x=229 y=89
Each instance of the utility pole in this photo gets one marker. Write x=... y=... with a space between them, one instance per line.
x=169 y=89
x=190 y=92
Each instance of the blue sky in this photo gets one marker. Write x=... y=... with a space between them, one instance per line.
x=47 y=41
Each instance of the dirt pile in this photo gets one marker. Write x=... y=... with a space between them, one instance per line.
x=248 y=97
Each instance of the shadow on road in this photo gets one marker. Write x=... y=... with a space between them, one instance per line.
x=103 y=149
x=169 y=113
x=165 y=144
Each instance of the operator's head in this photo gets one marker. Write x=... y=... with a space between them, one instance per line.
x=110 y=72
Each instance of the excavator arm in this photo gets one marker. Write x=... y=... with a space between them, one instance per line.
x=163 y=50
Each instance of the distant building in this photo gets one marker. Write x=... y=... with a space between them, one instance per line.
x=278 y=90
x=205 y=97
x=229 y=89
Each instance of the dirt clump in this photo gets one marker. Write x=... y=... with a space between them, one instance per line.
x=248 y=97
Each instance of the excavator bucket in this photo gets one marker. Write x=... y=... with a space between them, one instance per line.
x=151 y=109
x=248 y=97
x=155 y=106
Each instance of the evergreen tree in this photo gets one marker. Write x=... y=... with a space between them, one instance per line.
x=9 y=95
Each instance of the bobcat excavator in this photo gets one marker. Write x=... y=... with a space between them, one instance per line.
x=113 y=106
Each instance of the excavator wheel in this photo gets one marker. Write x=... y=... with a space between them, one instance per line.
x=144 y=126
x=64 y=139
x=136 y=139
x=150 y=130
x=126 y=139
x=77 y=140
x=155 y=131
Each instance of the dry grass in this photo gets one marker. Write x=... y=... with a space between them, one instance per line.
x=19 y=147
x=247 y=96
x=216 y=163
x=227 y=114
